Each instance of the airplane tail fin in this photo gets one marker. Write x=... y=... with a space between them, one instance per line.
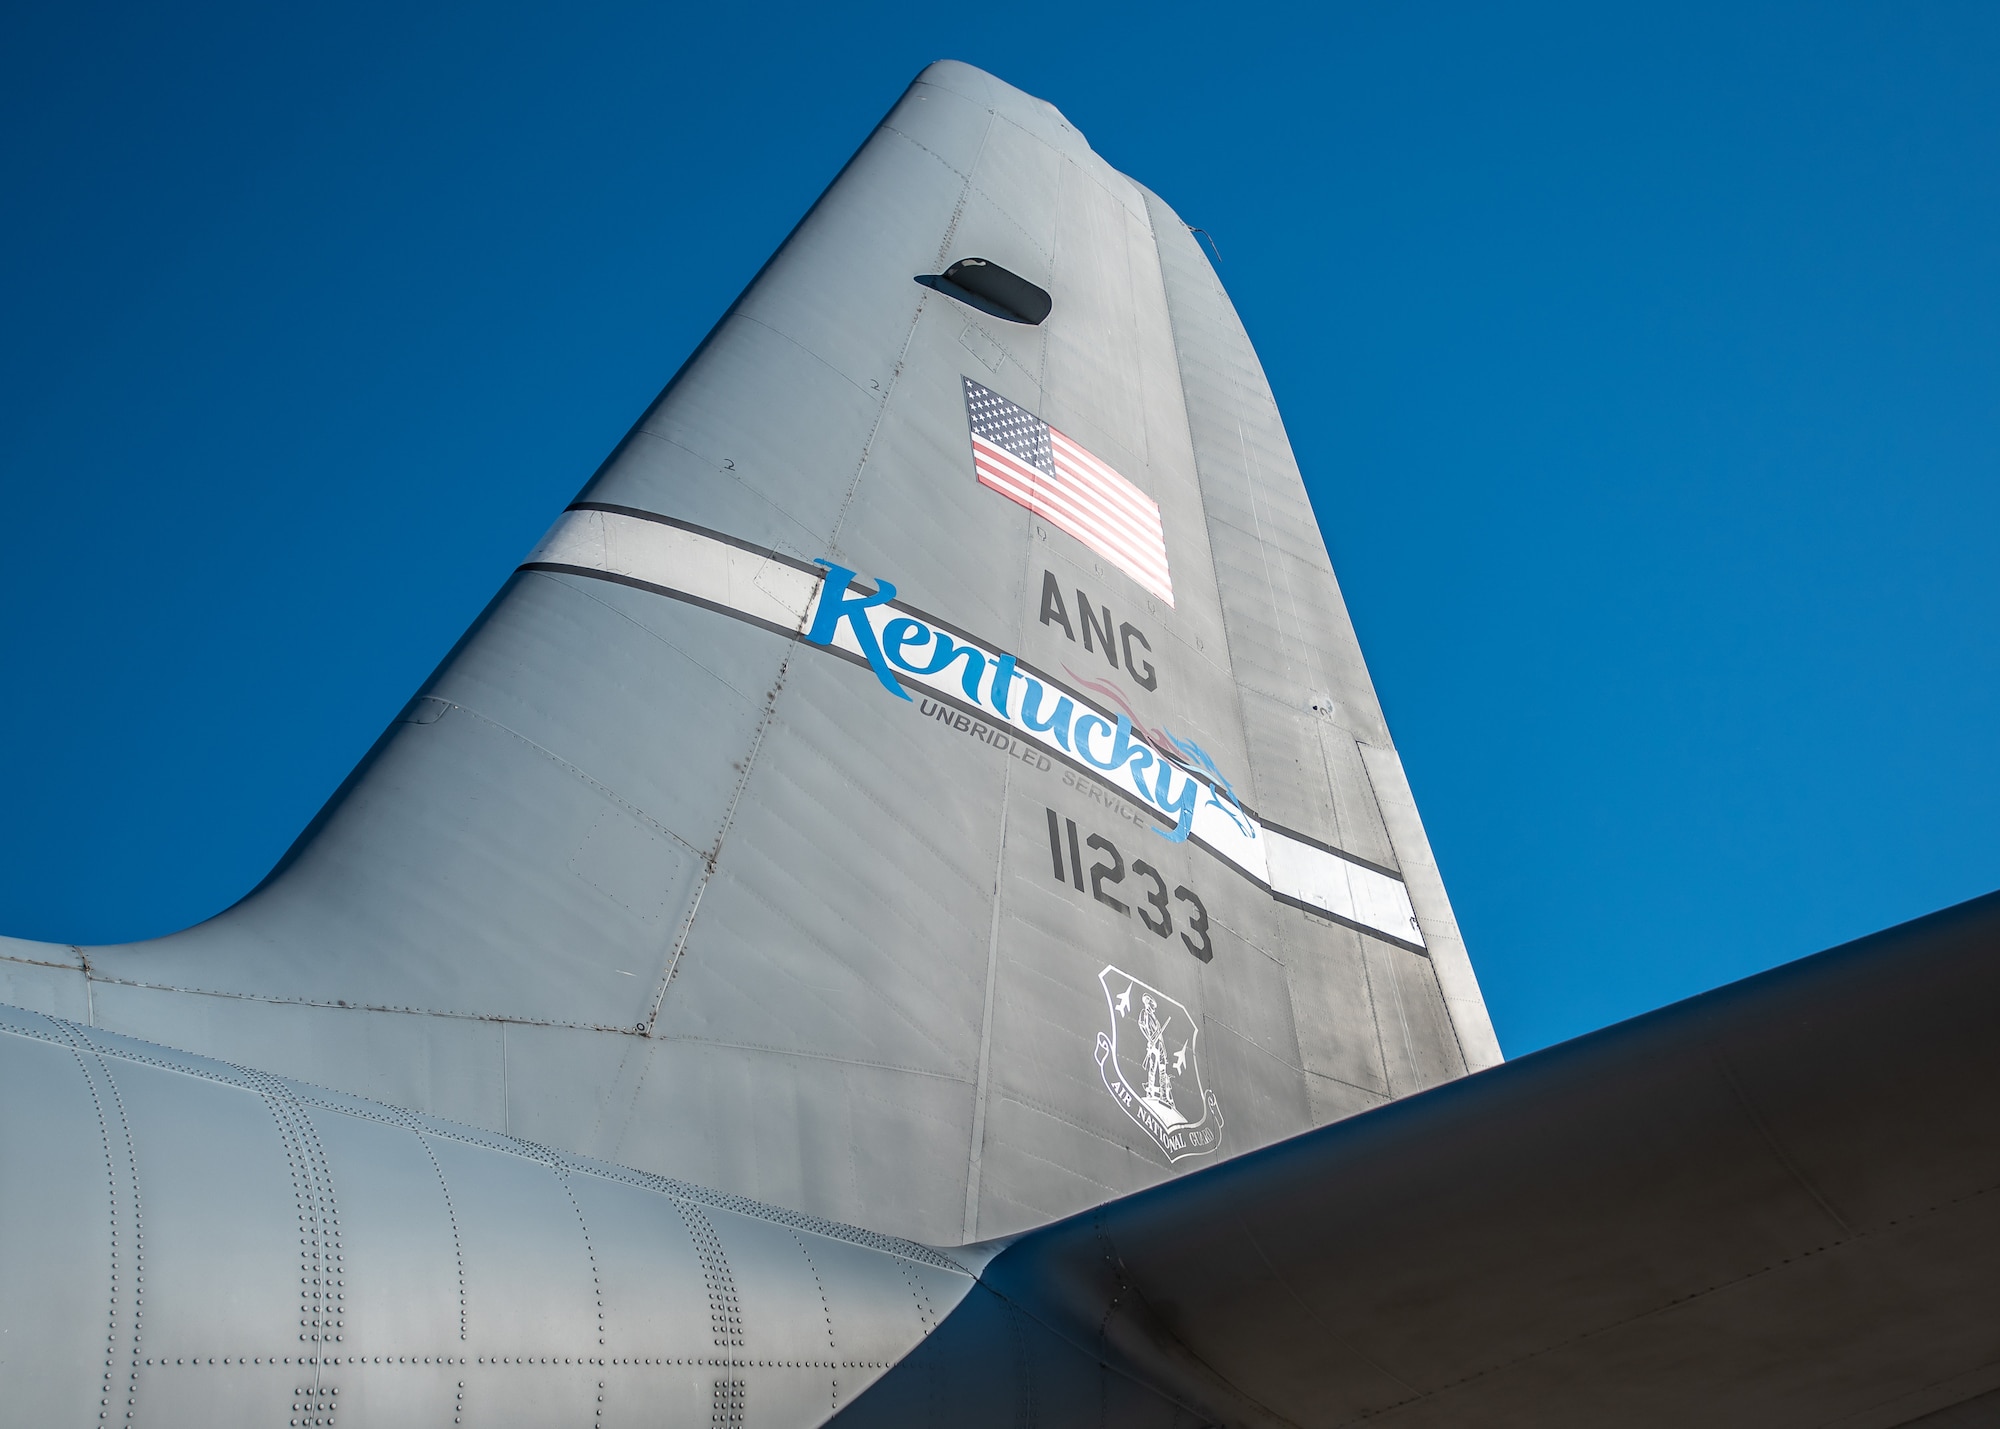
x=928 y=778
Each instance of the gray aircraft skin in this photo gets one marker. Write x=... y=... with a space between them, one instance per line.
x=904 y=909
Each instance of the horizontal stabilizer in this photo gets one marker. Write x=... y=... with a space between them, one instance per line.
x=1772 y=1204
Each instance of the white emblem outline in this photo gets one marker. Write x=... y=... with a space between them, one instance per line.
x=1158 y=1105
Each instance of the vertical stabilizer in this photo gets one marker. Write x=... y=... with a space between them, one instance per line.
x=928 y=778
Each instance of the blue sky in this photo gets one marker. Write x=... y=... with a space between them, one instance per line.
x=1644 y=363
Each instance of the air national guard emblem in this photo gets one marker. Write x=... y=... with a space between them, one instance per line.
x=1149 y=1067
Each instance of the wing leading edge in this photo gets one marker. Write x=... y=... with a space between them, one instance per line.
x=1773 y=1204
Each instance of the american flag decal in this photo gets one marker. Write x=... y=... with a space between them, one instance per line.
x=1029 y=462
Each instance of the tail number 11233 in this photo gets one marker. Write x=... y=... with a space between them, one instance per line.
x=1155 y=910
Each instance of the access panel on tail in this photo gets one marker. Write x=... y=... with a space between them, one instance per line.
x=928 y=779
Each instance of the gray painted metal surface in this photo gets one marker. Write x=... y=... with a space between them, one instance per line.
x=1774 y=1204
x=186 y=1242
x=655 y=878
x=719 y=924
x=1719 y=1213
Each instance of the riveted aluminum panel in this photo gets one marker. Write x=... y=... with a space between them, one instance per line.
x=68 y=1247
x=269 y=1250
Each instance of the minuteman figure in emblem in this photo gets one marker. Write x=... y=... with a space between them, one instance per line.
x=1159 y=1087
x=1148 y=1063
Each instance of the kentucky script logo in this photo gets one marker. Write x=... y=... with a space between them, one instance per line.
x=1166 y=745
x=1167 y=778
x=1149 y=1066
x=900 y=647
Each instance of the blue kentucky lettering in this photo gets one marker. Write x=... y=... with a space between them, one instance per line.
x=1222 y=794
x=836 y=605
x=903 y=632
x=1074 y=731
x=1180 y=805
x=1124 y=749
